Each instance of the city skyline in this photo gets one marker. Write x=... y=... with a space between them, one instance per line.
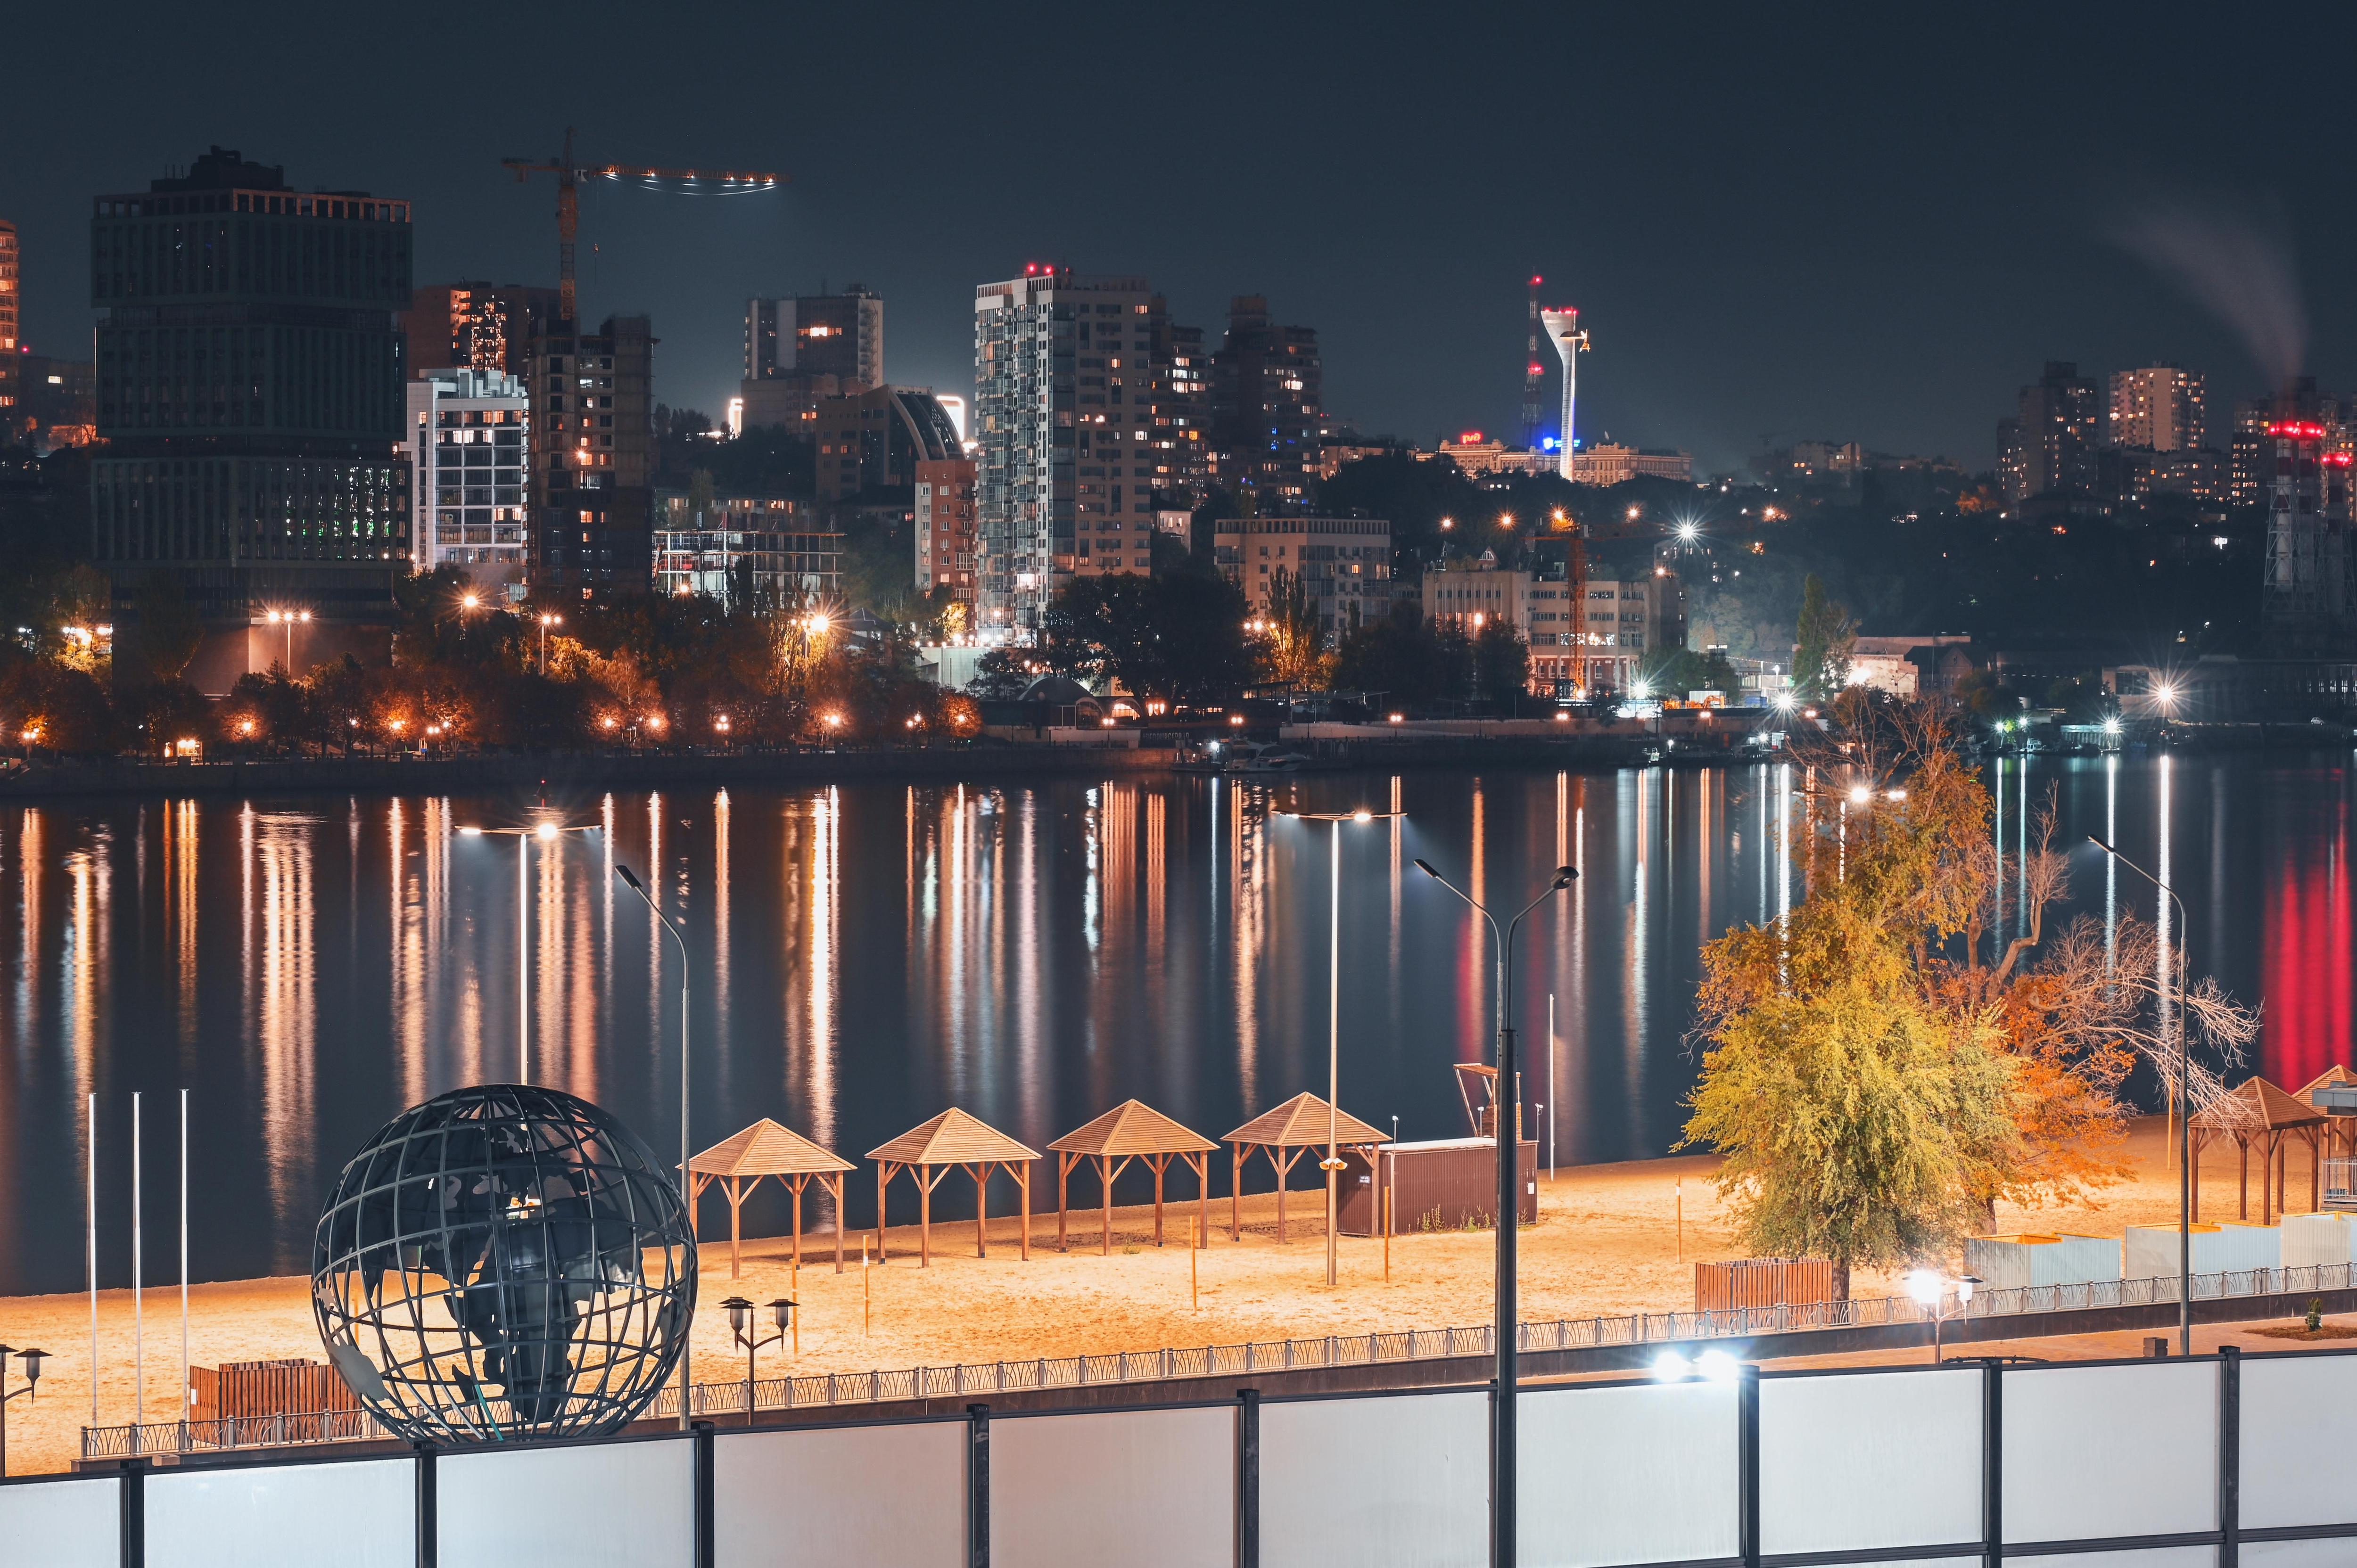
x=1762 y=244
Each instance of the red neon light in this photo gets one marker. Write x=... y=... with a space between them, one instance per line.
x=1468 y=437
x=1537 y=280
x=2337 y=460
x=2297 y=430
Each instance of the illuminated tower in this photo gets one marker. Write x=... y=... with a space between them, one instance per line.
x=1563 y=330
x=2307 y=608
x=1532 y=372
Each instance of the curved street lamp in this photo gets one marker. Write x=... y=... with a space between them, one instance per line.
x=687 y=1192
x=2184 y=1107
x=1510 y=1210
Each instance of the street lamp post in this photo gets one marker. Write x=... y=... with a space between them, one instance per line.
x=32 y=1359
x=287 y=619
x=686 y=1193
x=740 y=1312
x=1508 y=1313
x=547 y=620
x=2184 y=1120
x=1929 y=1292
x=1332 y=1163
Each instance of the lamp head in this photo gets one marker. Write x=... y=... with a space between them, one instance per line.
x=32 y=1359
x=1362 y=815
x=630 y=879
x=545 y=831
x=1923 y=1286
x=738 y=1310
x=1426 y=867
x=781 y=1313
x=1564 y=875
x=1965 y=1287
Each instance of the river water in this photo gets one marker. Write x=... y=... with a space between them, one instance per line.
x=863 y=956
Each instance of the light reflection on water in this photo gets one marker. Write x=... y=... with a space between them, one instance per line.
x=864 y=955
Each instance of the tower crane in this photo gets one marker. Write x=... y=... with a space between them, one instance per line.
x=570 y=174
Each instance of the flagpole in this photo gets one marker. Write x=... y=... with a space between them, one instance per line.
x=183 y=1412
x=91 y=1191
x=138 y=1292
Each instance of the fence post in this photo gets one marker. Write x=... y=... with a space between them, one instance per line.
x=1992 y=1464
x=429 y=1511
x=2230 y=1456
x=704 y=1487
x=131 y=1514
x=977 y=1481
x=1248 y=1478
x=1747 y=1451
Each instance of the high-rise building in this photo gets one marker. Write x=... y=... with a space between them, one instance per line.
x=1343 y=563
x=2049 y=448
x=1268 y=391
x=1180 y=436
x=2250 y=455
x=2159 y=408
x=803 y=348
x=250 y=392
x=2308 y=607
x=763 y=552
x=874 y=441
x=593 y=459
x=1063 y=414
x=469 y=445
x=475 y=325
x=11 y=306
x=945 y=527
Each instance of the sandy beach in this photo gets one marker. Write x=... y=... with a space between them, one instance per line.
x=1607 y=1243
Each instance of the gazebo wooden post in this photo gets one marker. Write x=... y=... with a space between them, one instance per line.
x=1022 y=1169
x=2242 y=1141
x=2315 y=1171
x=1283 y=1171
x=834 y=1185
x=1203 y=1165
x=1161 y=1163
x=1236 y=1195
x=981 y=1210
x=1064 y=1199
x=735 y=1191
x=883 y=1175
x=1104 y=1195
x=925 y=1179
x=794 y=1184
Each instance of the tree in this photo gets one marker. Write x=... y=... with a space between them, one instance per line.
x=1826 y=638
x=1293 y=648
x=1910 y=1046
x=1501 y=664
x=167 y=628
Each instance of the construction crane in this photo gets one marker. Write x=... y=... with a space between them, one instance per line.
x=569 y=175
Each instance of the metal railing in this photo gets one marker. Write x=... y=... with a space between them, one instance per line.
x=957 y=1380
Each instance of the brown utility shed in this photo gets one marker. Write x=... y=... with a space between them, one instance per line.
x=1133 y=1130
x=1283 y=1134
x=930 y=1152
x=768 y=1149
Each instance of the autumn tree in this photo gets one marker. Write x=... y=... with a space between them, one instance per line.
x=1823 y=641
x=1912 y=1044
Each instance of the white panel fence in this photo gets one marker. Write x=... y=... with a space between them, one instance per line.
x=2213 y=1460
x=980 y=1379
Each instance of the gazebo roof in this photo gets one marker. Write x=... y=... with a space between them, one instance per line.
x=2257 y=1105
x=1301 y=1122
x=2332 y=1075
x=767 y=1149
x=952 y=1138
x=1132 y=1127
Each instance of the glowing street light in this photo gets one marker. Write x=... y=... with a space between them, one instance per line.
x=547 y=620
x=287 y=619
x=1503 y=1460
x=1332 y=1163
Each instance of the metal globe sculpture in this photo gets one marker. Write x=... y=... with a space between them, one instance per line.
x=504 y=1262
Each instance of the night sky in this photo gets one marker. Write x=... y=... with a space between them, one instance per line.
x=1870 y=227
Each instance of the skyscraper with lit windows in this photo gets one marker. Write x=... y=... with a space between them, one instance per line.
x=249 y=381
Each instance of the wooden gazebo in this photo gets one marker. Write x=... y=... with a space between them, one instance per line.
x=767 y=1149
x=1133 y=1130
x=1283 y=1134
x=952 y=1139
x=2340 y=1132
x=2259 y=1112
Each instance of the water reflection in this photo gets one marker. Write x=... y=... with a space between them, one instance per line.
x=863 y=955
